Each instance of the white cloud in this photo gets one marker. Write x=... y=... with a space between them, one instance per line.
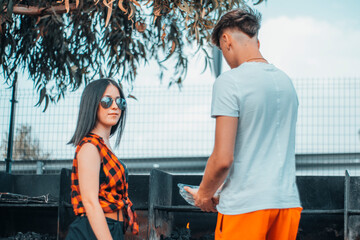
x=306 y=47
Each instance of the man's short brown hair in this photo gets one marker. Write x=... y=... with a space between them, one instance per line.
x=245 y=20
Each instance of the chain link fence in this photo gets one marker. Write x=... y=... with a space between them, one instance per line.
x=168 y=125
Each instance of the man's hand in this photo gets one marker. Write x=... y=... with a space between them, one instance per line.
x=205 y=204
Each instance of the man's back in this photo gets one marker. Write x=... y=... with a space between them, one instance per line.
x=263 y=172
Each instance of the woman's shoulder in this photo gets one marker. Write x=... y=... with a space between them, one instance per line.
x=90 y=141
x=88 y=149
x=91 y=138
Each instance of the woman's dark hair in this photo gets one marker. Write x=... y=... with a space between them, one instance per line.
x=89 y=105
x=245 y=20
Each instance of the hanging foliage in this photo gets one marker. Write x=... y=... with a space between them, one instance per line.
x=63 y=44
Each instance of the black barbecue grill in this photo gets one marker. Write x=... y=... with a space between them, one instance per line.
x=168 y=210
x=331 y=204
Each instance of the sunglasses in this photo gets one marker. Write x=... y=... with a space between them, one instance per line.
x=106 y=102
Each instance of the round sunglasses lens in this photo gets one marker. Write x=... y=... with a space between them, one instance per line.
x=121 y=103
x=106 y=102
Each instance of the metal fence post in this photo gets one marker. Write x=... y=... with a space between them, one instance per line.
x=346 y=205
x=8 y=159
x=39 y=167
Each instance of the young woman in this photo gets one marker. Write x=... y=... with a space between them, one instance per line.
x=99 y=185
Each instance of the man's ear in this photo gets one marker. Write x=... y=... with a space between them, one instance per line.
x=227 y=40
x=258 y=42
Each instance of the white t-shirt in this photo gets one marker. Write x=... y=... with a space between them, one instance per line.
x=262 y=175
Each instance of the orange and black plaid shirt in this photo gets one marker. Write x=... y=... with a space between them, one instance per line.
x=113 y=186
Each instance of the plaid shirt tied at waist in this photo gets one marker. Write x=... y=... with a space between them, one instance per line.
x=113 y=185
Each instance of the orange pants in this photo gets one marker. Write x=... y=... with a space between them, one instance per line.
x=269 y=224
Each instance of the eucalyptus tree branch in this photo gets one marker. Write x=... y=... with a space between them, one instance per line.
x=36 y=11
x=64 y=44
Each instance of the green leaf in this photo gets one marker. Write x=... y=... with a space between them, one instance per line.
x=42 y=96
x=132 y=96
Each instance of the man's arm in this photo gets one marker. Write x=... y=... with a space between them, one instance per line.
x=218 y=164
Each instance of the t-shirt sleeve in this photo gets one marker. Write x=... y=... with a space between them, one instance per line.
x=224 y=100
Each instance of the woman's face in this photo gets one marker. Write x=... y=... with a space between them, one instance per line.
x=109 y=117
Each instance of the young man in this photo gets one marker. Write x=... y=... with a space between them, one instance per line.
x=255 y=106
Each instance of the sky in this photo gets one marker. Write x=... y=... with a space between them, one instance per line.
x=316 y=39
x=307 y=39
x=312 y=38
